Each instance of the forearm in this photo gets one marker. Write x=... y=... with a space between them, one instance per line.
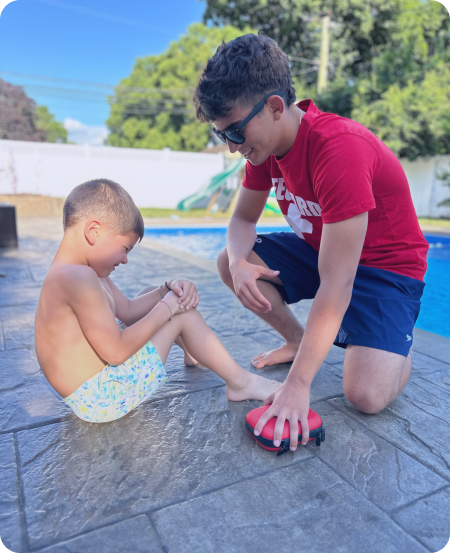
x=142 y=305
x=324 y=320
x=135 y=336
x=241 y=238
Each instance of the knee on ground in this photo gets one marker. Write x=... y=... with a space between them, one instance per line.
x=366 y=401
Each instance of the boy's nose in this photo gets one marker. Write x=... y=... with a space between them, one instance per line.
x=232 y=147
x=125 y=260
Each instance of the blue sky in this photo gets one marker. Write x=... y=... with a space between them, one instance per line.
x=94 y=41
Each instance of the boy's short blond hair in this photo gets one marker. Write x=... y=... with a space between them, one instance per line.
x=106 y=200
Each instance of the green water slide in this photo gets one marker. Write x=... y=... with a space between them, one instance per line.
x=272 y=204
x=218 y=183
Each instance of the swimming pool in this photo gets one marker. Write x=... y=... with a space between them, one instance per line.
x=207 y=241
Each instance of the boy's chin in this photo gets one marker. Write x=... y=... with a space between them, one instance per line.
x=103 y=273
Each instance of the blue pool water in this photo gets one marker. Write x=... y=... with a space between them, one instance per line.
x=435 y=312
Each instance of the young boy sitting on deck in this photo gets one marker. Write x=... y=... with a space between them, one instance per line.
x=103 y=367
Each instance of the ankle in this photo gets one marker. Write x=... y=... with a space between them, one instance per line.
x=241 y=379
x=293 y=343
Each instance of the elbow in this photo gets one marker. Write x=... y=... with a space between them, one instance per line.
x=340 y=292
x=347 y=290
x=114 y=357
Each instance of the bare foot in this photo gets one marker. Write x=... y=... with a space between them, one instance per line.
x=283 y=354
x=189 y=361
x=256 y=387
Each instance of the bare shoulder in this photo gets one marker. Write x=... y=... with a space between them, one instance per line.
x=72 y=278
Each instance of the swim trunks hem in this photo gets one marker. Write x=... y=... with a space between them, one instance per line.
x=392 y=348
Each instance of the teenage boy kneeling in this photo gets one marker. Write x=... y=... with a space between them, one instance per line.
x=357 y=248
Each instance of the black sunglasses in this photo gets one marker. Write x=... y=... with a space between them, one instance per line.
x=235 y=135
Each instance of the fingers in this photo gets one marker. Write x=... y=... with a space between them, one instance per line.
x=189 y=298
x=278 y=432
x=293 y=431
x=252 y=299
x=305 y=430
x=268 y=272
x=176 y=288
x=263 y=420
x=279 y=426
x=268 y=400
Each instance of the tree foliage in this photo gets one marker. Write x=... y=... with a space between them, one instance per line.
x=153 y=107
x=384 y=54
x=21 y=119
x=55 y=130
x=18 y=115
x=413 y=120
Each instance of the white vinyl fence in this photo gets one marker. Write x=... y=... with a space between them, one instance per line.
x=427 y=190
x=154 y=178
x=161 y=178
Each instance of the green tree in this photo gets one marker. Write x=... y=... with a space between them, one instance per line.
x=374 y=45
x=153 y=107
x=413 y=120
x=54 y=130
x=405 y=99
x=360 y=30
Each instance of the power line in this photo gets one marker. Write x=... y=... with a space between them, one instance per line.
x=107 y=16
x=138 y=101
x=111 y=88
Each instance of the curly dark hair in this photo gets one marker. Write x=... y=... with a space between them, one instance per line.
x=242 y=71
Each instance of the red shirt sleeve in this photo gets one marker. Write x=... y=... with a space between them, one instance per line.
x=343 y=169
x=257 y=177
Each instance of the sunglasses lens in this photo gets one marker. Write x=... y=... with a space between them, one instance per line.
x=235 y=136
x=220 y=135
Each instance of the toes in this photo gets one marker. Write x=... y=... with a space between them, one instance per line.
x=258 y=364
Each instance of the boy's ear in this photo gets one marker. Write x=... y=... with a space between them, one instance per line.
x=92 y=231
x=276 y=107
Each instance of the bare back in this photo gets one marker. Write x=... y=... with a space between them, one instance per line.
x=66 y=357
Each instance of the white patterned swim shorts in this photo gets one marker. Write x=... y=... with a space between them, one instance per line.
x=117 y=389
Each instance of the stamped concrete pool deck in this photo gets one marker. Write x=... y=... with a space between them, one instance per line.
x=180 y=473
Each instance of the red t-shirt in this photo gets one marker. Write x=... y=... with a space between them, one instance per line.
x=337 y=169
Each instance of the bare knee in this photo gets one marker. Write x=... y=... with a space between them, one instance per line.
x=365 y=400
x=188 y=320
x=223 y=266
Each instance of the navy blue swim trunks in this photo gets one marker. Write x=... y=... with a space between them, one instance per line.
x=384 y=306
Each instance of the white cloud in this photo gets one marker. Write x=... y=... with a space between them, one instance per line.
x=79 y=133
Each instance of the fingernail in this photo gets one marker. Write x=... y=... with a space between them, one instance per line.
x=304 y=443
x=276 y=443
x=293 y=448
x=256 y=433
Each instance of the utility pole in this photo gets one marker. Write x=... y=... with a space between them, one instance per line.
x=324 y=52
